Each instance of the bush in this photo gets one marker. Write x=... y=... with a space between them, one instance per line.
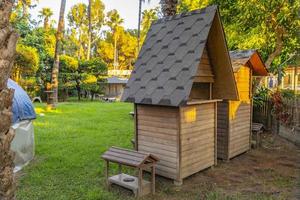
x=260 y=96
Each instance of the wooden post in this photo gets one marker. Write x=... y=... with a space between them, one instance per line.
x=228 y=132
x=210 y=91
x=135 y=127
x=215 y=133
x=178 y=168
x=251 y=108
x=106 y=173
x=120 y=171
x=153 y=179
x=140 y=182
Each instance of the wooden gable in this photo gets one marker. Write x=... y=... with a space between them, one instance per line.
x=224 y=86
x=215 y=78
x=205 y=72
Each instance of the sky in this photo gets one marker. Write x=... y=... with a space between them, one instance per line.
x=128 y=9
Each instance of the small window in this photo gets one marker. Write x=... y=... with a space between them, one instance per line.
x=200 y=91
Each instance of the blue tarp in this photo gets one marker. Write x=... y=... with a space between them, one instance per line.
x=22 y=106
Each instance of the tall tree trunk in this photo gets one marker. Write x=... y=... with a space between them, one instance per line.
x=46 y=23
x=139 y=24
x=90 y=30
x=115 y=51
x=169 y=7
x=8 y=40
x=278 y=48
x=78 y=89
x=55 y=68
x=24 y=9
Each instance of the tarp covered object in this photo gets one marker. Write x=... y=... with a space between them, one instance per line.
x=22 y=105
x=23 y=143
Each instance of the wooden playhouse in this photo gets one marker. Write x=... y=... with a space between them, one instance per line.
x=234 y=117
x=182 y=70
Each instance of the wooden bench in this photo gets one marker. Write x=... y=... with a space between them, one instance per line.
x=257 y=130
x=135 y=159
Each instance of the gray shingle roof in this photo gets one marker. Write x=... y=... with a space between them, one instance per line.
x=116 y=80
x=240 y=57
x=169 y=58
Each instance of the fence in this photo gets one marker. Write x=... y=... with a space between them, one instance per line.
x=289 y=127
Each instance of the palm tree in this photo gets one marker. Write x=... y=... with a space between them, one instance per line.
x=55 y=68
x=90 y=30
x=45 y=14
x=139 y=23
x=8 y=40
x=148 y=17
x=114 y=21
x=169 y=7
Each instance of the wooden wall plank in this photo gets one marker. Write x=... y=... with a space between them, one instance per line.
x=197 y=139
x=158 y=134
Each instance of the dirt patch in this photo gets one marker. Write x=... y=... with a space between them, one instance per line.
x=270 y=172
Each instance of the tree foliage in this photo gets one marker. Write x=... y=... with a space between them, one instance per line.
x=100 y=39
x=272 y=27
x=27 y=59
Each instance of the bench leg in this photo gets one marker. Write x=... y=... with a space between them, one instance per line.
x=153 y=179
x=140 y=183
x=106 y=173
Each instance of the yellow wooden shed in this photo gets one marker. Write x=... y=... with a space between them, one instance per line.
x=234 y=117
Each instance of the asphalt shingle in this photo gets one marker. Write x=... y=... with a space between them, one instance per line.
x=169 y=59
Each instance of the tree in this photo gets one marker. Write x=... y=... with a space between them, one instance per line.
x=8 y=41
x=114 y=21
x=68 y=75
x=148 y=17
x=187 y=5
x=272 y=27
x=169 y=7
x=78 y=20
x=126 y=48
x=139 y=22
x=23 y=5
x=85 y=26
x=94 y=74
x=89 y=29
x=96 y=20
x=55 y=68
x=26 y=63
x=45 y=14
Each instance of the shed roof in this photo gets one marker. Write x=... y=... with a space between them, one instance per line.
x=240 y=58
x=169 y=59
x=128 y=157
x=116 y=80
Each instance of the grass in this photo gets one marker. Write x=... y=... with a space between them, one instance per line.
x=67 y=165
x=69 y=142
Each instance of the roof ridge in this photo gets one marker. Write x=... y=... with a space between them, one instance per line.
x=186 y=14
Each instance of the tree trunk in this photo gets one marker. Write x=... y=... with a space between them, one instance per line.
x=78 y=90
x=90 y=30
x=139 y=24
x=278 y=48
x=55 y=68
x=24 y=9
x=8 y=40
x=46 y=23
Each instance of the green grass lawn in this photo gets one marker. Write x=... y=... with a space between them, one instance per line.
x=69 y=142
